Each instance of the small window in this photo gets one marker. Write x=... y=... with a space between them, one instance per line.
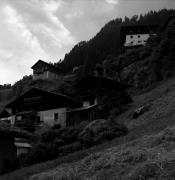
x=138 y=36
x=131 y=36
x=132 y=42
x=56 y=116
x=38 y=119
x=139 y=41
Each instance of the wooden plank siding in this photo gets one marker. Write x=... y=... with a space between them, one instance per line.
x=77 y=116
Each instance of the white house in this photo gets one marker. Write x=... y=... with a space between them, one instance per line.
x=136 y=39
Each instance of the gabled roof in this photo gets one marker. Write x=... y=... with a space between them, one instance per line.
x=50 y=66
x=34 y=91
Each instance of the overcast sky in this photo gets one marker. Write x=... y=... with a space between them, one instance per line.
x=47 y=29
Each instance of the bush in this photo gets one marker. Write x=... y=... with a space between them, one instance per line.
x=101 y=130
x=40 y=153
x=70 y=134
x=59 y=142
x=50 y=135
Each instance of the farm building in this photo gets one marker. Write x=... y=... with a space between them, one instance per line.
x=136 y=35
x=39 y=106
x=43 y=70
x=90 y=90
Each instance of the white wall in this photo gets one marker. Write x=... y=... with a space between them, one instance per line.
x=87 y=103
x=46 y=75
x=48 y=116
x=136 y=39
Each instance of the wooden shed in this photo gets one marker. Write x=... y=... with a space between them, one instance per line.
x=44 y=70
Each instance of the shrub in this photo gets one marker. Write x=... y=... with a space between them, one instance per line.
x=50 y=135
x=70 y=134
x=59 y=142
x=104 y=136
x=101 y=130
x=41 y=152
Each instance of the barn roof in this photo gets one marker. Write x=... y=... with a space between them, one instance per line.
x=37 y=91
x=51 y=67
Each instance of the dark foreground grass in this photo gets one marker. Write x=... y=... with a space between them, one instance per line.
x=23 y=173
x=147 y=158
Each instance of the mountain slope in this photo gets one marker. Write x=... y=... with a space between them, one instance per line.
x=107 y=41
x=150 y=156
x=152 y=124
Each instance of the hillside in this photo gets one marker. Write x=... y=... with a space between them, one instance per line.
x=147 y=152
x=104 y=49
x=148 y=145
x=107 y=41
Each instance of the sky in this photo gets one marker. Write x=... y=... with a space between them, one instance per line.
x=48 y=29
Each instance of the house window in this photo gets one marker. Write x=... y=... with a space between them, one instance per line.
x=38 y=119
x=131 y=36
x=138 y=36
x=56 y=116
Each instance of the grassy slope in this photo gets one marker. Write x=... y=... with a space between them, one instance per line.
x=117 y=158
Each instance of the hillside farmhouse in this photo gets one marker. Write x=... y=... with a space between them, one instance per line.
x=45 y=71
x=136 y=35
x=39 y=106
x=90 y=89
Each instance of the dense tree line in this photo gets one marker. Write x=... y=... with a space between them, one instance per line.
x=107 y=41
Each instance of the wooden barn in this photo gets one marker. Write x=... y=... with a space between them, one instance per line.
x=39 y=106
x=90 y=89
x=43 y=70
